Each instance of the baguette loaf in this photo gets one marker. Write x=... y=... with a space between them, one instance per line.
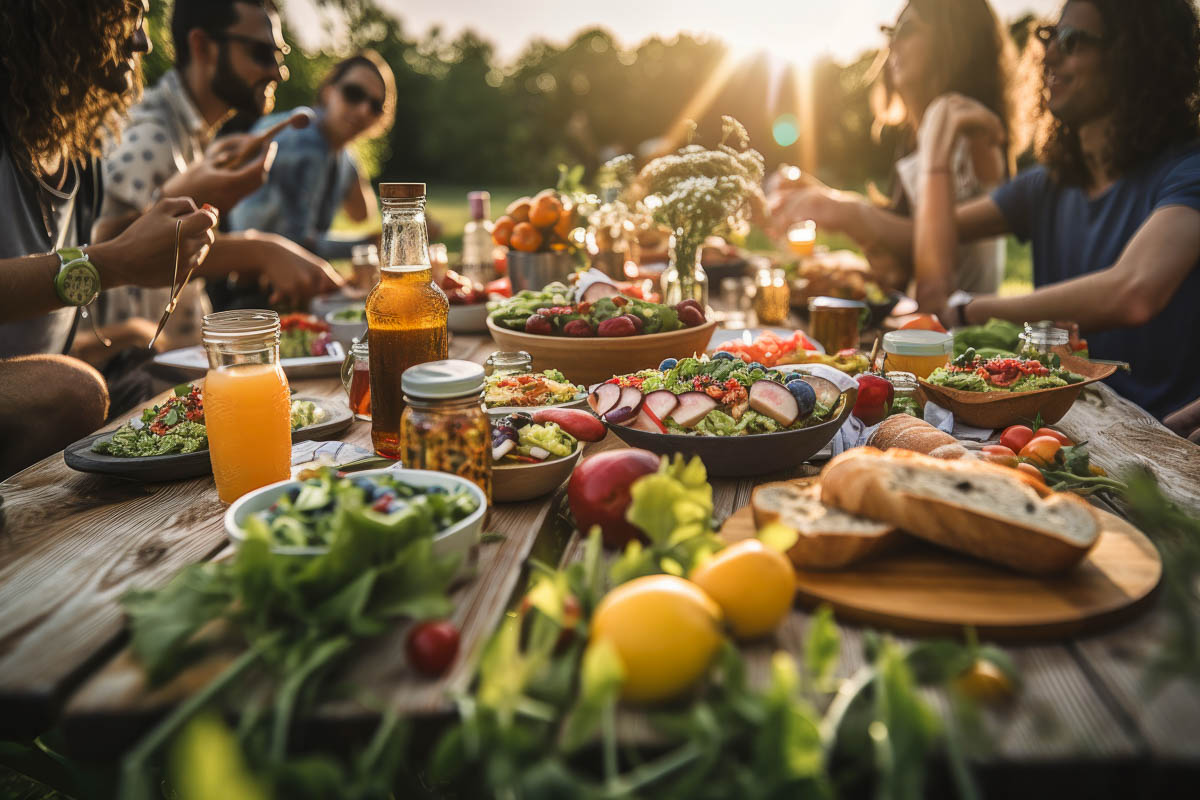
x=829 y=538
x=981 y=509
x=906 y=432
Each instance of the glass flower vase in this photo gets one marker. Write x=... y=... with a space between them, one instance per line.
x=684 y=278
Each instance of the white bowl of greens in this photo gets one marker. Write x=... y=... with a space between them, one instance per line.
x=304 y=517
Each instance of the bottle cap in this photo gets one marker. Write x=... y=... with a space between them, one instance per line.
x=480 y=203
x=401 y=191
x=442 y=380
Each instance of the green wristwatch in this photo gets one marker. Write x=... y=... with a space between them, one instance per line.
x=78 y=281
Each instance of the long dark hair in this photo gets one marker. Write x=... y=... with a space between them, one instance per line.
x=53 y=56
x=372 y=61
x=1153 y=61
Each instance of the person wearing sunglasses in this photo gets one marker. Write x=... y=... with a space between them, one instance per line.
x=935 y=47
x=1113 y=208
x=228 y=59
x=315 y=175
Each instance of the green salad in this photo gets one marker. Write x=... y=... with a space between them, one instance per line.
x=553 y=310
x=973 y=372
x=528 y=389
x=315 y=512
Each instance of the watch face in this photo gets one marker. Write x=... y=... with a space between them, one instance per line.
x=78 y=285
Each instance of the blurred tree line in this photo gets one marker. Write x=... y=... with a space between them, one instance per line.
x=464 y=118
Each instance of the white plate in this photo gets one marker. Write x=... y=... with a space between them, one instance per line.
x=194 y=361
x=458 y=538
x=722 y=335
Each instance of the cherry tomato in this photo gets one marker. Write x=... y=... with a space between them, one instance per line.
x=432 y=646
x=1041 y=450
x=1016 y=437
x=1062 y=437
x=999 y=454
x=1031 y=471
x=985 y=682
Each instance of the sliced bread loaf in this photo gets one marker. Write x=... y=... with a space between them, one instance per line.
x=829 y=538
x=981 y=509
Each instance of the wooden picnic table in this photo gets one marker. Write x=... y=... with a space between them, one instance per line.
x=72 y=543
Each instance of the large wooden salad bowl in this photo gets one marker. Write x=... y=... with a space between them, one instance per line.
x=1001 y=409
x=592 y=360
x=738 y=456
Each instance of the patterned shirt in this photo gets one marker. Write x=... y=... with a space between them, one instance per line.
x=165 y=135
x=307 y=185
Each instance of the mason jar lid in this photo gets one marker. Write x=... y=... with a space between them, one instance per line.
x=225 y=327
x=918 y=343
x=442 y=380
x=834 y=302
x=401 y=191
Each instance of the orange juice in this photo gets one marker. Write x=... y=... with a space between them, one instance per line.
x=917 y=351
x=247 y=410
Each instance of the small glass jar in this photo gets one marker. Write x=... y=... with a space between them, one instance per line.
x=444 y=426
x=364 y=259
x=356 y=377
x=247 y=404
x=802 y=238
x=835 y=322
x=916 y=351
x=504 y=362
x=905 y=387
x=773 y=298
x=1039 y=338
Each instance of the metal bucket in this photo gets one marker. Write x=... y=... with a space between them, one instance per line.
x=534 y=270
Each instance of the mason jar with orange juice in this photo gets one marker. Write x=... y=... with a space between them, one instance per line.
x=406 y=311
x=917 y=351
x=247 y=405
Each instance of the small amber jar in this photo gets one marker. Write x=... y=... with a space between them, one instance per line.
x=444 y=426
x=835 y=322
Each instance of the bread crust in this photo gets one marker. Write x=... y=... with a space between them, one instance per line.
x=906 y=432
x=861 y=482
x=822 y=550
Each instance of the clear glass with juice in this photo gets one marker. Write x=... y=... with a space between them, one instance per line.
x=406 y=311
x=247 y=404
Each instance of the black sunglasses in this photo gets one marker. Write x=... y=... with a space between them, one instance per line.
x=356 y=95
x=265 y=54
x=1068 y=38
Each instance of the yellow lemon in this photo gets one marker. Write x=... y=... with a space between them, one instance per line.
x=753 y=584
x=666 y=631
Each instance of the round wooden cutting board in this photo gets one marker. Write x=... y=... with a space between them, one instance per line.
x=925 y=590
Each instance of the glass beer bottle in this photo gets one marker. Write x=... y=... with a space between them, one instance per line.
x=406 y=311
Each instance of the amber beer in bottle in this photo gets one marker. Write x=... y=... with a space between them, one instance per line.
x=406 y=311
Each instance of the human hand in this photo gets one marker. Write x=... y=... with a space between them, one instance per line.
x=295 y=274
x=210 y=182
x=828 y=208
x=953 y=115
x=144 y=253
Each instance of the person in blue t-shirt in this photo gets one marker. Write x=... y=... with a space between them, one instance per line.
x=1113 y=210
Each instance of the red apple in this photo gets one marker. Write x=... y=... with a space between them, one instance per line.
x=598 y=492
x=874 y=399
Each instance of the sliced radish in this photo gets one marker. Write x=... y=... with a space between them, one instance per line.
x=621 y=416
x=661 y=402
x=693 y=407
x=540 y=453
x=503 y=449
x=827 y=391
x=598 y=291
x=775 y=401
x=605 y=398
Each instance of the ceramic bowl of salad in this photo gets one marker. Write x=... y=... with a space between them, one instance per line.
x=507 y=393
x=592 y=331
x=347 y=323
x=304 y=517
x=530 y=459
x=739 y=418
x=1004 y=390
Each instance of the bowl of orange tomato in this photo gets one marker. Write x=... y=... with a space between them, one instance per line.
x=542 y=234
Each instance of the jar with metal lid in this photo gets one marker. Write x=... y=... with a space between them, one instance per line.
x=444 y=426
x=1038 y=339
x=508 y=362
x=356 y=377
x=835 y=322
x=917 y=351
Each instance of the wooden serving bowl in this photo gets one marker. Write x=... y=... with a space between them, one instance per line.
x=591 y=360
x=512 y=483
x=1001 y=409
